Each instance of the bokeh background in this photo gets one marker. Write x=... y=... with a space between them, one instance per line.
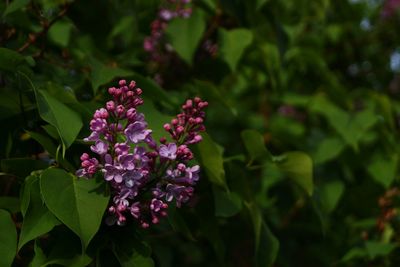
x=301 y=154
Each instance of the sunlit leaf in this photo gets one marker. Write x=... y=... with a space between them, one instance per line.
x=255 y=146
x=185 y=34
x=67 y=122
x=384 y=169
x=211 y=160
x=78 y=203
x=102 y=74
x=298 y=166
x=233 y=44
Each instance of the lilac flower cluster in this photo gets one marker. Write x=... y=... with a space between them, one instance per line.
x=390 y=8
x=154 y=44
x=143 y=176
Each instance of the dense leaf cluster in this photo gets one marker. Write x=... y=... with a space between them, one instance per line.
x=300 y=162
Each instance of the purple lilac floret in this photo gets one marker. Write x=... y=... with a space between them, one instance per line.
x=144 y=176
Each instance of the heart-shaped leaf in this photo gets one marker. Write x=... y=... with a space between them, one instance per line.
x=78 y=203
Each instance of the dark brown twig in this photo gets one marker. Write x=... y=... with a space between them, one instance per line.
x=33 y=37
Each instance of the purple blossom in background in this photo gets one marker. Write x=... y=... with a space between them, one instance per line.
x=143 y=176
x=390 y=7
x=160 y=52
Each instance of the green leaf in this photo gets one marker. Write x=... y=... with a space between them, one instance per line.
x=14 y=6
x=153 y=91
x=186 y=33
x=67 y=122
x=383 y=169
x=8 y=239
x=210 y=4
x=25 y=194
x=266 y=244
x=51 y=131
x=12 y=204
x=260 y=3
x=11 y=102
x=355 y=253
x=298 y=166
x=378 y=249
x=328 y=149
x=40 y=258
x=102 y=74
x=178 y=223
x=211 y=160
x=209 y=227
x=60 y=32
x=255 y=146
x=330 y=194
x=9 y=59
x=133 y=259
x=351 y=127
x=227 y=204
x=50 y=147
x=129 y=248
x=65 y=250
x=38 y=220
x=78 y=203
x=22 y=167
x=75 y=261
x=155 y=119
x=233 y=44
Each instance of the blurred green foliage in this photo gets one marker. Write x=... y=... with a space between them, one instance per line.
x=285 y=76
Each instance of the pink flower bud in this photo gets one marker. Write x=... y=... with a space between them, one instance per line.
x=180 y=129
x=111 y=90
x=167 y=127
x=117 y=92
x=181 y=167
x=197 y=138
x=86 y=163
x=132 y=85
x=121 y=208
x=85 y=156
x=110 y=105
x=122 y=82
x=120 y=110
x=131 y=113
